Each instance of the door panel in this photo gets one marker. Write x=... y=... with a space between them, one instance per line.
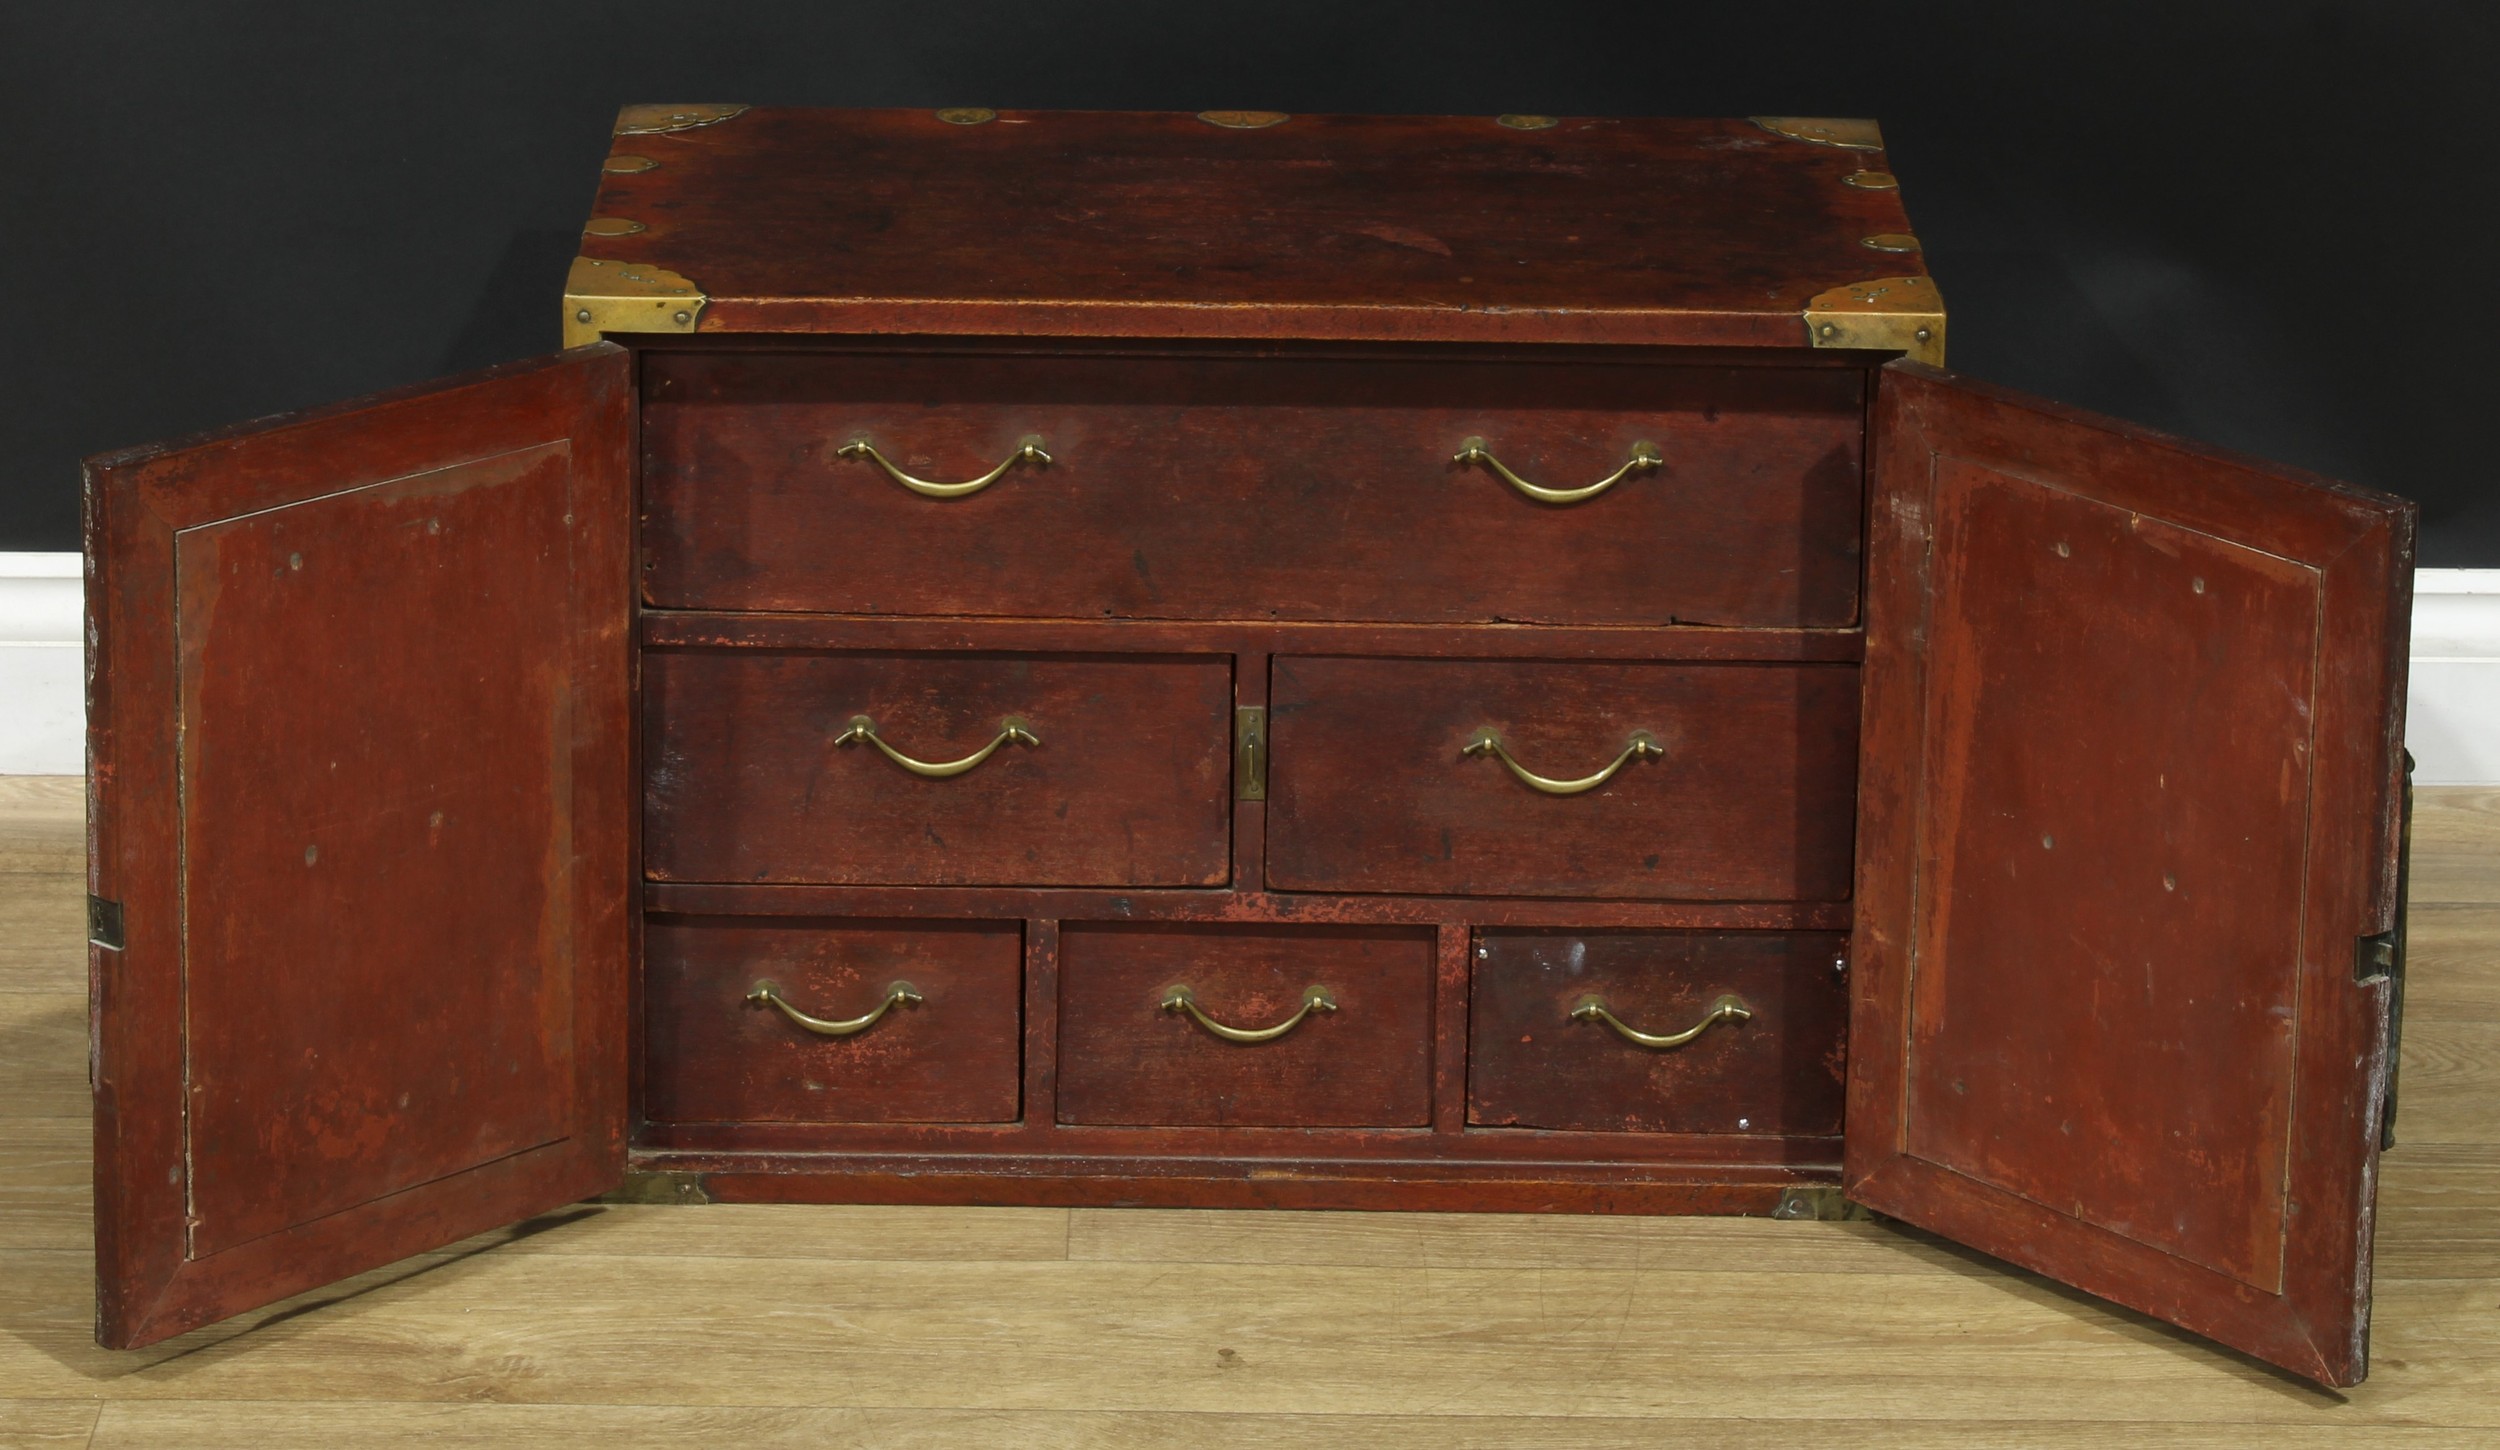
x=360 y=782
x=2131 y=745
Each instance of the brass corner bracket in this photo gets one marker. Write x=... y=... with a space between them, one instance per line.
x=1851 y=132
x=602 y=297
x=1891 y=314
x=650 y=120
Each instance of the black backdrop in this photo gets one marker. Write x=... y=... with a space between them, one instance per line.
x=2251 y=221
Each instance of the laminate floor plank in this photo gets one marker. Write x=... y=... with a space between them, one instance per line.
x=43 y=933
x=26 y=1424
x=47 y=1185
x=324 y=1425
x=810 y=1325
x=1970 y=1342
x=43 y=823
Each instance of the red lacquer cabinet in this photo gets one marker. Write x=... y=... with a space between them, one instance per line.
x=1067 y=658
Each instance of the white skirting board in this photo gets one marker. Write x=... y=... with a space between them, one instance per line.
x=2453 y=727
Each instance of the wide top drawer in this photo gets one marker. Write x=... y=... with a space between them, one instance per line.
x=1299 y=488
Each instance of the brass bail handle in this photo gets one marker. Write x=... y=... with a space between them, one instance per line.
x=1182 y=999
x=1012 y=730
x=1728 y=1008
x=767 y=994
x=1028 y=451
x=1645 y=456
x=1642 y=746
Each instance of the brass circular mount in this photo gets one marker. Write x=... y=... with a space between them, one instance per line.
x=1519 y=122
x=627 y=165
x=1890 y=242
x=1244 y=120
x=1873 y=180
x=966 y=115
x=611 y=226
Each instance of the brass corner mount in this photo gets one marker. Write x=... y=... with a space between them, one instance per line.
x=601 y=296
x=654 y=120
x=1853 y=133
x=1888 y=314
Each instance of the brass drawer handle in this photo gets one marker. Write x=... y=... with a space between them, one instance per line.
x=1644 y=457
x=1181 y=999
x=1728 y=1008
x=1013 y=728
x=1030 y=451
x=1643 y=746
x=769 y=995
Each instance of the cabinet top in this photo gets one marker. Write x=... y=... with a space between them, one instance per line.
x=1767 y=232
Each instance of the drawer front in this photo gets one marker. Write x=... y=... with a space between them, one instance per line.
x=947 y=1048
x=1253 y=489
x=1107 y=771
x=1730 y=783
x=1359 y=1057
x=1539 y=1056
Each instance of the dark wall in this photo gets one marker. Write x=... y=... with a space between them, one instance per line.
x=2251 y=221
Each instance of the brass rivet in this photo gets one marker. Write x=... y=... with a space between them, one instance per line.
x=683 y=318
x=622 y=165
x=1890 y=242
x=1925 y=334
x=1829 y=330
x=1527 y=123
x=967 y=115
x=583 y=315
x=611 y=226
x=1244 y=120
x=1872 y=180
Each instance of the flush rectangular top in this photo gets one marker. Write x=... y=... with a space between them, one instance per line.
x=1230 y=224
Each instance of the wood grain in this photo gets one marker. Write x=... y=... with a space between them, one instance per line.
x=1413 y=228
x=1486 y=1330
x=1125 y=1060
x=1130 y=785
x=2128 y=806
x=713 y=1056
x=1207 y=487
x=1372 y=790
x=359 y=713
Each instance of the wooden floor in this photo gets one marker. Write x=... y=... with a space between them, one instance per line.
x=1128 y=1328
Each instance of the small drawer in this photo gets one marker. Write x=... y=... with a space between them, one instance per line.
x=1254 y=488
x=914 y=1021
x=1686 y=782
x=937 y=769
x=1358 y=1052
x=1772 y=1009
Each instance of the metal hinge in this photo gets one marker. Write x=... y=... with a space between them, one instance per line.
x=2380 y=956
x=104 y=923
x=1250 y=753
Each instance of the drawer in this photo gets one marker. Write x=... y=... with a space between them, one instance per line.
x=951 y=1051
x=1361 y=1056
x=1540 y=1056
x=1270 y=488
x=1106 y=771
x=1730 y=783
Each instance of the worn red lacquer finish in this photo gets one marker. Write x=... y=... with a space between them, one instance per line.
x=947 y=1054
x=2133 y=724
x=354 y=762
x=1199 y=485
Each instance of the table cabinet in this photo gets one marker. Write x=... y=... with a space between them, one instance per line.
x=1245 y=660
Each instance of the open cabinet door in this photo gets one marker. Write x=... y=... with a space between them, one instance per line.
x=359 y=787
x=2127 y=848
